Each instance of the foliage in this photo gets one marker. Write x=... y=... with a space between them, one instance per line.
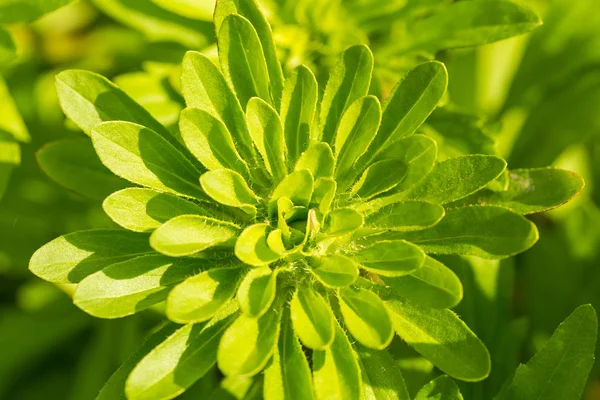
x=271 y=226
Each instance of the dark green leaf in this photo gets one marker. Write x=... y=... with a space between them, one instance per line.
x=380 y=177
x=381 y=375
x=390 y=258
x=441 y=388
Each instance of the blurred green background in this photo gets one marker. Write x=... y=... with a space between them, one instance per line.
x=533 y=99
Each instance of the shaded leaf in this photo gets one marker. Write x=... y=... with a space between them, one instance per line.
x=390 y=258
x=11 y=123
x=257 y=291
x=342 y=221
x=441 y=388
x=379 y=177
x=318 y=159
x=72 y=257
x=381 y=375
x=297 y=186
x=334 y=271
x=312 y=318
x=229 y=188
x=405 y=216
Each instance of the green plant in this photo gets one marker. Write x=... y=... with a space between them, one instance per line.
x=272 y=215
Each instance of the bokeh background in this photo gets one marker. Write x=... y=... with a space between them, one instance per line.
x=533 y=99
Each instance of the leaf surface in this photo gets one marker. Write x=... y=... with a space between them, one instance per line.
x=257 y=291
x=334 y=271
x=441 y=388
x=312 y=319
x=390 y=258
x=251 y=246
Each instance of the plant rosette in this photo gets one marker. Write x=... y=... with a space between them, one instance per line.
x=280 y=226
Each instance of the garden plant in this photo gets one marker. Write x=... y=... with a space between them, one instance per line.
x=301 y=230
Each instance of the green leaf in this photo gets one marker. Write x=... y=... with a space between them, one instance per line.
x=297 y=186
x=356 y=130
x=390 y=258
x=471 y=24
x=11 y=122
x=312 y=318
x=144 y=210
x=194 y=9
x=74 y=164
x=200 y=297
x=89 y=99
x=379 y=177
x=229 y=188
x=560 y=369
x=442 y=338
x=483 y=231
x=248 y=344
x=288 y=375
x=318 y=159
x=72 y=257
x=349 y=80
x=257 y=291
x=366 y=318
x=141 y=156
x=405 y=216
x=323 y=194
x=433 y=285
x=114 y=388
x=27 y=10
x=441 y=388
x=342 y=221
x=456 y=178
x=412 y=100
x=381 y=375
x=250 y=10
x=157 y=23
x=267 y=134
x=334 y=271
x=336 y=373
x=190 y=234
x=532 y=190
x=251 y=246
x=130 y=286
x=175 y=364
x=418 y=152
x=298 y=108
x=209 y=140
x=243 y=60
x=203 y=86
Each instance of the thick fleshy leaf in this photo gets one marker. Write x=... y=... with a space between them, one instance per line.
x=288 y=375
x=441 y=388
x=72 y=257
x=380 y=177
x=89 y=99
x=483 y=231
x=342 y=221
x=433 y=285
x=390 y=258
x=366 y=317
x=257 y=291
x=323 y=194
x=349 y=80
x=381 y=375
x=229 y=188
x=200 y=297
x=203 y=86
x=190 y=234
x=456 y=178
x=144 y=210
x=298 y=108
x=130 y=286
x=405 y=216
x=471 y=24
x=407 y=107
x=336 y=373
x=532 y=190
x=75 y=165
x=560 y=369
x=312 y=318
x=242 y=59
x=297 y=186
x=183 y=358
x=247 y=345
x=250 y=10
x=356 y=130
x=210 y=141
x=267 y=134
x=334 y=271
x=141 y=156
x=251 y=246
x=442 y=338
x=418 y=152
x=318 y=159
